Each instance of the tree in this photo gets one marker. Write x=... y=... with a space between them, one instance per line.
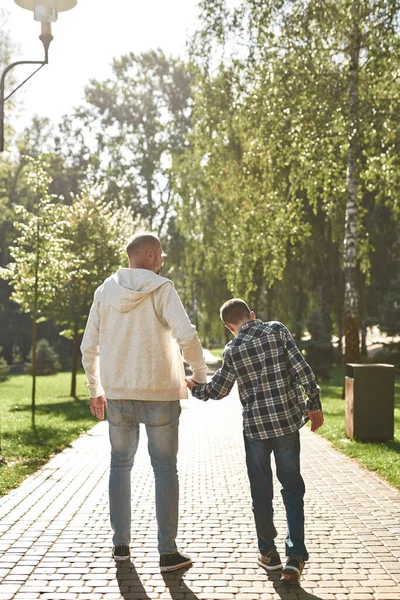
x=139 y=117
x=92 y=247
x=312 y=119
x=36 y=257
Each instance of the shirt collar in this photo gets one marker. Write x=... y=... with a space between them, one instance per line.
x=249 y=324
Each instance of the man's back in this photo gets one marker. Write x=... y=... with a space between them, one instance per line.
x=140 y=322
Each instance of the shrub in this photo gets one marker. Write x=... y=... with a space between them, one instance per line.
x=4 y=368
x=47 y=361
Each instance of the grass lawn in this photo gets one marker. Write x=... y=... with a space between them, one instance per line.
x=59 y=420
x=217 y=352
x=383 y=457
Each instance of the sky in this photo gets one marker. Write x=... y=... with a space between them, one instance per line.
x=86 y=39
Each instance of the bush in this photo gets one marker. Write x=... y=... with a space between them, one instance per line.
x=47 y=361
x=4 y=368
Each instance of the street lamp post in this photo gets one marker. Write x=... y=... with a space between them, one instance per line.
x=46 y=12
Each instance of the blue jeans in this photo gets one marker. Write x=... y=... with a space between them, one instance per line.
x=161 y=420
x=286 y=451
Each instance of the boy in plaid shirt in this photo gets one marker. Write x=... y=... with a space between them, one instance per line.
x=271 y=374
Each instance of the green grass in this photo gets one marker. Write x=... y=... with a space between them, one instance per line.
x=217 y=352
x=59 y=420
x=382 y=457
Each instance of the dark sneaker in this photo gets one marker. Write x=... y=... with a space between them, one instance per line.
x=293 y=570
x=270 y=561
x=172 y=562
x=121 y=553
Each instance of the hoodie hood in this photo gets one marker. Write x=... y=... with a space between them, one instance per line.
x=127 y=288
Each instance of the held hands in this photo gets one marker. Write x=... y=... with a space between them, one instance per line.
x=190 y=383
x=97 y=406
x=316 y=418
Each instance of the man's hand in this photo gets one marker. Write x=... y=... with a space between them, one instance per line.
x=317 y=419
x=97 y=406
x=190 y=383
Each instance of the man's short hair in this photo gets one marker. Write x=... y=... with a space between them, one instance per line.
x=234 y=310
x=140 y=239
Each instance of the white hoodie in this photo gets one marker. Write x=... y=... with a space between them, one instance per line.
x=130 y=348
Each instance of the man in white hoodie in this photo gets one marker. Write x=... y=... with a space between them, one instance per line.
x=131 y=356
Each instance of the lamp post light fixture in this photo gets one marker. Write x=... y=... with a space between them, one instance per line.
x=46 y=12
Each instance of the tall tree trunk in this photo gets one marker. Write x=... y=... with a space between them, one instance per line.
x=33 y=397
x=364 y=349
x=34 y=326
x=352 y=343
x=75 y=353
x=363 y=316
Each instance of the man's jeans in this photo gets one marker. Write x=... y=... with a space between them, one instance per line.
x=286 y=451
x=161 y=420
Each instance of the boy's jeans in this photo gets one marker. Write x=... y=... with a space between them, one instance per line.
x=286 y=451
x=161 y=420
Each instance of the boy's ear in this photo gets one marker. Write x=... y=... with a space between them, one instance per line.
x=252 y=315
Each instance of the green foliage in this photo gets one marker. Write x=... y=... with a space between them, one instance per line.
x=34 y=272
x=63 y=253
x=93 y=246
x=140 y=115
x=276 y=125
x=47 y=361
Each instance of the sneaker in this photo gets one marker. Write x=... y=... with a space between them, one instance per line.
x=293 y=570
x=121 y=553
x=172 y=562
x=270 y=561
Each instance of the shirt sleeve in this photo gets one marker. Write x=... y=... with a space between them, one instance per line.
x=90 y=349
x=174 y=315
x=300 y=369
x=220 y=384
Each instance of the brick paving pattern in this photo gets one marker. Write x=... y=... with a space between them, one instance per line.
x=55 y=534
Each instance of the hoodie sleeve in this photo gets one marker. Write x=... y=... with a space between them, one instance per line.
x=90 y=349
x=174 y=315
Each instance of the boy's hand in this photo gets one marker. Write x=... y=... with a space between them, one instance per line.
x=97 y=406
x=317 y=419
x=190 y=383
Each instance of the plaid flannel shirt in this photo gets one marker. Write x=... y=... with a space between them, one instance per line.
x=271 y=374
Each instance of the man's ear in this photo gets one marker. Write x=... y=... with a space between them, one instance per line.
x=252 y=315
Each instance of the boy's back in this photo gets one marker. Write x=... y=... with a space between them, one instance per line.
x=269 y=370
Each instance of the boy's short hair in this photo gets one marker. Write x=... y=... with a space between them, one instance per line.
x=139 y=239
x=234 y=310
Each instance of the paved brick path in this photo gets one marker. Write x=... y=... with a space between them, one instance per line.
x=55 y=535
